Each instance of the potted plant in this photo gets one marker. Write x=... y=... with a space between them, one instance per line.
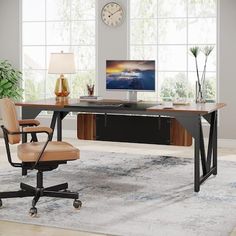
x=200 y=83
x=10 y=81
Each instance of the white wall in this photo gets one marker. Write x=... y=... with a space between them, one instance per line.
x=227 y=68
x=9 y=31
x=113 y=44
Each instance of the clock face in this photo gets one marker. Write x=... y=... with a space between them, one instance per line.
x=112 y=14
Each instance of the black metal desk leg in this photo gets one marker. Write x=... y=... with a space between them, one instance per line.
x=24 y=138
x=59 y=127
x=57 y=117
x=215 y=145
x=53 y=123
x=24 y=172
x=197 y=157
x=193 y=125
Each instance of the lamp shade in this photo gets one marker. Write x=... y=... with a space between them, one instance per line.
x=62 y=63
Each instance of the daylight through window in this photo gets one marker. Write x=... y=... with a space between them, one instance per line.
x=164 y=30
x=53 y=26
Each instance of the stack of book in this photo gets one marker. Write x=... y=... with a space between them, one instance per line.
x=90 y=98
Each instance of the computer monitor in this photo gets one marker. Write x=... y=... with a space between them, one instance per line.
x=130 y=75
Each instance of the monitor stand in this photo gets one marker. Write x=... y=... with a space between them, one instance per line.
x=132 y=96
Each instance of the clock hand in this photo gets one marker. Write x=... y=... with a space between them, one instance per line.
x=110 y=13
x=115 y=12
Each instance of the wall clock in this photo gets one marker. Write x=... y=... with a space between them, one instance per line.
x=112 y=14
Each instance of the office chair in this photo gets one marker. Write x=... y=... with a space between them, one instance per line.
x=41 y=156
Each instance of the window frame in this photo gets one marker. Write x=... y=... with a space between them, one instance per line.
x=46 y=46
x=187 y=71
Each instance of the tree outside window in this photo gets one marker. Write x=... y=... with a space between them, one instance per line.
x=164 y=30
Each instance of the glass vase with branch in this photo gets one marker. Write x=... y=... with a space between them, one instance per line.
x=200 y=83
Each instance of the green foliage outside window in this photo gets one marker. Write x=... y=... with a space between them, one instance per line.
x=178 y=87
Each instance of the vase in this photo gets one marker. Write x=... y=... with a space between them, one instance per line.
x=200 y=92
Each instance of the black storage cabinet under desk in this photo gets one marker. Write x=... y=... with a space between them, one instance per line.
x=135 y=129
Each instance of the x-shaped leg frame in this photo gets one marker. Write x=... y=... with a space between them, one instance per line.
x=207 y=156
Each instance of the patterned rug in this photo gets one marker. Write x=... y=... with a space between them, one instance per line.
x=125 y=194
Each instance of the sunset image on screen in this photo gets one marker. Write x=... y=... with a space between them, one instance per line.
x=130 y=75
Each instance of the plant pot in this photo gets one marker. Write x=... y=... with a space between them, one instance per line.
x=200 y=93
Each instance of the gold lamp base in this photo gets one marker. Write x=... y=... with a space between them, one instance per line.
x=62 y=87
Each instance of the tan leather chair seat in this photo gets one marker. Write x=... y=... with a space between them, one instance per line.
x=55 y=151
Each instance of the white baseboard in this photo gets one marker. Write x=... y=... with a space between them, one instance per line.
x=227 y=143
x=67 y=133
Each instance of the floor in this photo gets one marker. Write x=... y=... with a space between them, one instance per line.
x=12 y=229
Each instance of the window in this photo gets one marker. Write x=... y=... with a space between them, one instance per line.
x=164 y=30
x=53 y=26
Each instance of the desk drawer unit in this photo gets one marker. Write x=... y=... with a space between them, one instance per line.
x=134 y=129
x=137 y=129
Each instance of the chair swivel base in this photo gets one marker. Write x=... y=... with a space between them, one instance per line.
x=59 y=191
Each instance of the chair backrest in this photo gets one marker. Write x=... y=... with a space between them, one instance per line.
x=10 y=121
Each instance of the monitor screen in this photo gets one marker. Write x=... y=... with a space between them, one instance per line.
x=130 y=75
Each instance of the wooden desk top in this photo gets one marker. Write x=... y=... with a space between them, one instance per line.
x=47 y=103
x=54 y=102
x=199 y=108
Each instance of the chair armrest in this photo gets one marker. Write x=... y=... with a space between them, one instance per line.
x=39 y=129
x=29 y=122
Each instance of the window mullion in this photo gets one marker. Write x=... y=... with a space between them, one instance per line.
x=187 y=42
x=45 y=48
x=157 y=51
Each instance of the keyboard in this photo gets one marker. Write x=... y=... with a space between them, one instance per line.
x=104 y=105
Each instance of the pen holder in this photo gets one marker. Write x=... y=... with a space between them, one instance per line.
x=90 y=89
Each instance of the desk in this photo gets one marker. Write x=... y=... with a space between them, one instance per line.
x=190 y=116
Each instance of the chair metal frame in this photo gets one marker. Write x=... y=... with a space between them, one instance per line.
x=59 y=191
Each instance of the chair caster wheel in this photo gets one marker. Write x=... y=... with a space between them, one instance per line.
x=0 y=202
x=33 y=212
x=77 y=204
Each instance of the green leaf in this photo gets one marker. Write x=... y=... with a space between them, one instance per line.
x=10 y=78
x=207 y=50
x=195 y=51
x=7 y=86
x=3 y=81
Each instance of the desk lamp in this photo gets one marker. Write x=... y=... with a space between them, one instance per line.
x=62 y=63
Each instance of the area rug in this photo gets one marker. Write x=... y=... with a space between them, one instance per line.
x=136 y=195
